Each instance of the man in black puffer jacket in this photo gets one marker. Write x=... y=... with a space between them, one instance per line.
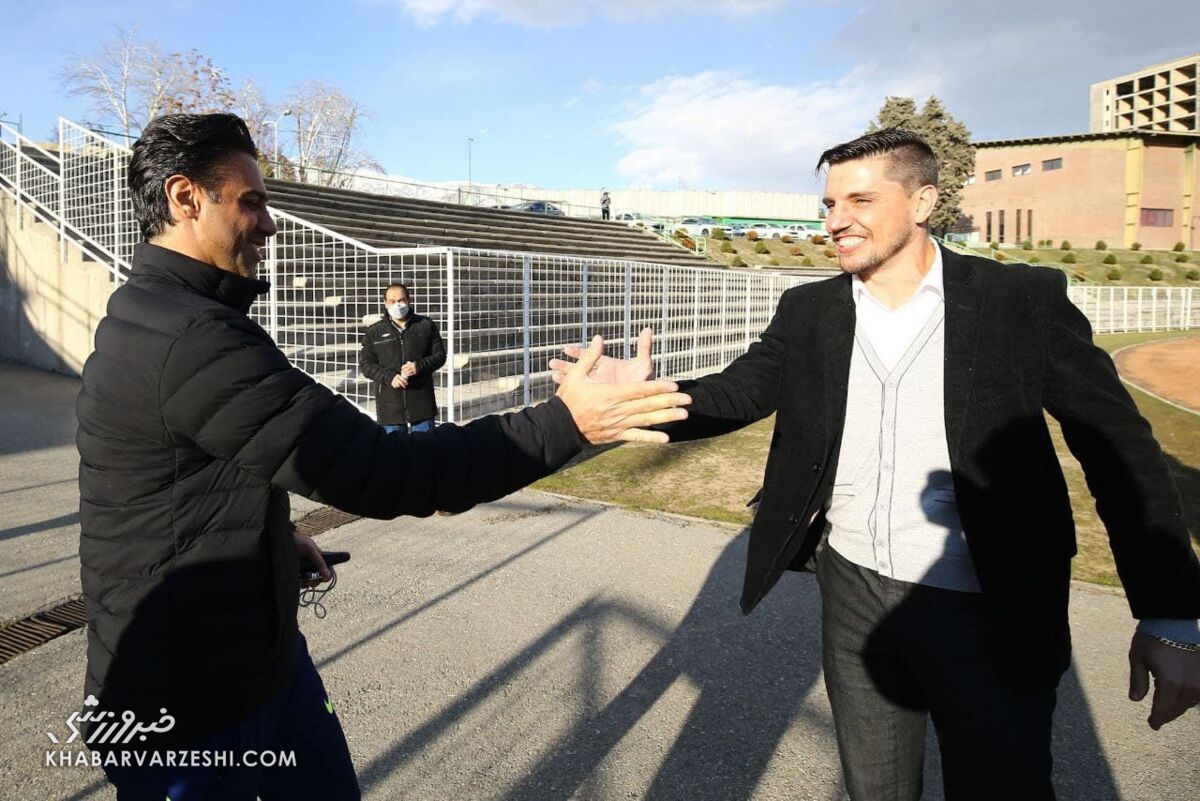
x=400 y=354
x=193 y=427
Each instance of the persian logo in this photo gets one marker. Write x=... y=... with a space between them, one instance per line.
x=110 y=729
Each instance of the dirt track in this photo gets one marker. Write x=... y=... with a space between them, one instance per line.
x=1169 y=369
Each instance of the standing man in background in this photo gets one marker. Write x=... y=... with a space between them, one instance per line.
x=605 y=204
x=400 y=354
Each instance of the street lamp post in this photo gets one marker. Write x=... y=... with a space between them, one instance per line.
x=275 y=153
x=470 y=181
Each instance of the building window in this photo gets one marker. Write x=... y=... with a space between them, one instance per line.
x=1029 y=224
x=1052 y=164
x=992 y=175
x=1001 y=239
x=989 y=226
x=1158 y=218
x=1022 y=169
x=1018 y=239
x=970 y=180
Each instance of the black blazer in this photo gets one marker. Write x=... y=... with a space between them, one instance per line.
x=1015 y=346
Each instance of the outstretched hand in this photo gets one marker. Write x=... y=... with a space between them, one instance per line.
x=1176 y=678
x=608 y=370
x=611 y=411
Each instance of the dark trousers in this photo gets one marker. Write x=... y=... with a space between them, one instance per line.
x=299 y=720
x=894 y=653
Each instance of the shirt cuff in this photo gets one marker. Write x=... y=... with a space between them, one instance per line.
x=1187 y=631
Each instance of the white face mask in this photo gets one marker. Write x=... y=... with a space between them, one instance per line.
x=397 y=311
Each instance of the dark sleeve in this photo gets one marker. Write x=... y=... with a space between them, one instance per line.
x=744 y=392
x=235 y=395
x=1126 y=471
x=368 y=362
x=436 y=356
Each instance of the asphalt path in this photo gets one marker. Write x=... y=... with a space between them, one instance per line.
x=545 y=648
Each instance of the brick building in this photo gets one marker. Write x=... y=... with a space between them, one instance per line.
x=1122 y=187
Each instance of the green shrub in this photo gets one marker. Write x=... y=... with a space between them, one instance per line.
x=1101 y=244
x=727 y=247
x=1034 y=260
x=1179 y=247
x=1156 y=274
x=1000 y=257
x=817 y=239
x=1136 y=246
x=1192 y=275
x=807 y=262
x=1147 y=259
x=994 y=245
x=737 y=262
x=1026 y=245
x=1114 y=274
x=718 y=233
x=1181 y=258
x=1110 y=258
x=761 y=247
x=796 y=250
x=830 y=253
x=774 y=262
x=1069 y=258
x=1066 y=245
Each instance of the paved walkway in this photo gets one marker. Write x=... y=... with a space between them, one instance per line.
x=545 y=649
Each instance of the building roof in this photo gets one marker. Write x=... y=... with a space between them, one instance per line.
x=1128 y=133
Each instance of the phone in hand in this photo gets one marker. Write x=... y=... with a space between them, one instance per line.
x=308 y=570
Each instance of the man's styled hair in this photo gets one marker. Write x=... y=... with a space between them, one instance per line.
x=191 y=145
x=412 y=304
x=911 y=161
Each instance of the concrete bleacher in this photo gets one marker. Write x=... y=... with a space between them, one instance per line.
x=389 y=221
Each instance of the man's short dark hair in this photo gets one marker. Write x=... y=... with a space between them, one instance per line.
x=911 y=161
x=398 y=285
x=192 y=145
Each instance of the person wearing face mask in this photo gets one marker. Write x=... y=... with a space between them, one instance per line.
x=400 y=354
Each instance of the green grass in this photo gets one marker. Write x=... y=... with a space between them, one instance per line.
x=714 y=478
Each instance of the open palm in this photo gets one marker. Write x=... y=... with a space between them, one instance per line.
x=609 y=370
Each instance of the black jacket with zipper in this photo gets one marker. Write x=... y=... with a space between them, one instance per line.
x=193 y=426
x=385 y=349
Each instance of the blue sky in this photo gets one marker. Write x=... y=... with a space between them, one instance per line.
x=704 y=94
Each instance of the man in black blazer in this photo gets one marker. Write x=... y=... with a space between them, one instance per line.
x=911 y=466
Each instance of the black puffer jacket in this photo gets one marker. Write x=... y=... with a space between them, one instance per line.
x=385 y=349
x=192 y=427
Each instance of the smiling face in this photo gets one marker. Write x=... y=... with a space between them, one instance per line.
x=872 y=216
x=232 y=230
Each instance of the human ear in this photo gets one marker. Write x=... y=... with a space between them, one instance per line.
x=926 y=201
x=182 y=197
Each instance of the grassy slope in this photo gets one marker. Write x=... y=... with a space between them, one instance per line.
x=714 y=478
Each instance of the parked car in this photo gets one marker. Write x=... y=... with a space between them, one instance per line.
x=635 y=219
x=697 y=226
x=766 y=230
x=538 y=207
x=806 y=230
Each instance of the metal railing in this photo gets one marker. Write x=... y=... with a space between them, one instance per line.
x=503 y=314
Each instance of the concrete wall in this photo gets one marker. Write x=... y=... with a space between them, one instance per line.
x=49 y=309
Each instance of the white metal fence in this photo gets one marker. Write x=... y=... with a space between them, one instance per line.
x=502 y=314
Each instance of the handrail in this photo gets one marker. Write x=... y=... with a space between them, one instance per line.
x=29 y=142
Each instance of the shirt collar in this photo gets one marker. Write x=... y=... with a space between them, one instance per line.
x=932 y=282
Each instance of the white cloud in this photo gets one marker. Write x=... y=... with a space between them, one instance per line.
x=572 y=102
x=717 y=130
x=566 y=13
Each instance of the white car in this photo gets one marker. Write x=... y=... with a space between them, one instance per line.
x=766 y=230
x=635 y=219
x=806 y=230
x=697 y=226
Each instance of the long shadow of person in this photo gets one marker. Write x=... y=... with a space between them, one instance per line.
x=752 y=676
